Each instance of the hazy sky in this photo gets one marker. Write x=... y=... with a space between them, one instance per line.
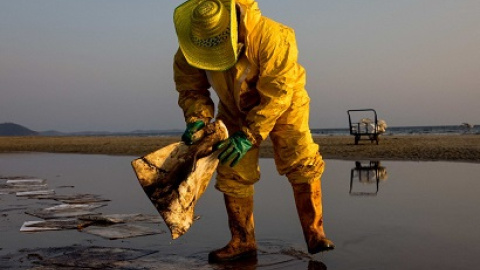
x=76 y=65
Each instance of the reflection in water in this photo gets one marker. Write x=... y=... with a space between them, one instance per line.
x=274 y=254
x=249 y=264
x=253 y=264
x=316 y=265
x=370 y=173
x=370 y=234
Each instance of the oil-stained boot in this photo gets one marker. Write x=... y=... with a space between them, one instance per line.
x=308 y=200
x=240 y=220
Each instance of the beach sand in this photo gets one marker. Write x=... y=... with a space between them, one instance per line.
x=358 y=210
x=458 y=147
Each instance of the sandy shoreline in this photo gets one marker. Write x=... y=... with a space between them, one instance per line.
x=464 y=148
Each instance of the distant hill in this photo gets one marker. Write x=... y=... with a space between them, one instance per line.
x=11 y=129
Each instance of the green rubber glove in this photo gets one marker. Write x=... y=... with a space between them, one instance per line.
x=193 y=127
x=233 y=148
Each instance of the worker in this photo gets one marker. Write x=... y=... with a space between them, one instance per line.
x=250 y=61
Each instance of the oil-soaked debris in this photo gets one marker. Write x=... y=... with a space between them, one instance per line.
x=75 y=257
x=75 y=212
x=121 y=231
x=64 y=211
x=12 y=189
x=32 y=194
x=120 y=218
x=73 y=199
x=12 y=186
x=53 y=225
x=82 y=222
x=176 y=176
x=26 y=182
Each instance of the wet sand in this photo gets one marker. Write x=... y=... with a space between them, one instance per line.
x=373 y=222
x=458 y=147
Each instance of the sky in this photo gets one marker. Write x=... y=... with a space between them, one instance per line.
x=106 y=65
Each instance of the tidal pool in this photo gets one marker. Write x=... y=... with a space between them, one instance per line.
x=387 y=215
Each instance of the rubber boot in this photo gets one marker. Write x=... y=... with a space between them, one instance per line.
x=242 y=246
x=308 y=200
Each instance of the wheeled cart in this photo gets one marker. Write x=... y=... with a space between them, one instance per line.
x=362 y=126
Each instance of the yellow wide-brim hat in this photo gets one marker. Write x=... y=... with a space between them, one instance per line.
x=207 y=33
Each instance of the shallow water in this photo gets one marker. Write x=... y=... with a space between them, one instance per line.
x=423 y=215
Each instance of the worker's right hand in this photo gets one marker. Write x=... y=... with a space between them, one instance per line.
x=193 y=127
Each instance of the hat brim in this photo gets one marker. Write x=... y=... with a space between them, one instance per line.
x=218 y=58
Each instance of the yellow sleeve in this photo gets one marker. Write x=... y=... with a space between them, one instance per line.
x=192 y=86
x=278 y=79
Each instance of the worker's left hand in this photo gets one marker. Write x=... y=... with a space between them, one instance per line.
x=233 y=148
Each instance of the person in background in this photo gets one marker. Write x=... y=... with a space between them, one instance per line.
x=251 y=63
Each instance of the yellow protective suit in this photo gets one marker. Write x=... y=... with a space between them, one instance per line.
x=262 y=95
